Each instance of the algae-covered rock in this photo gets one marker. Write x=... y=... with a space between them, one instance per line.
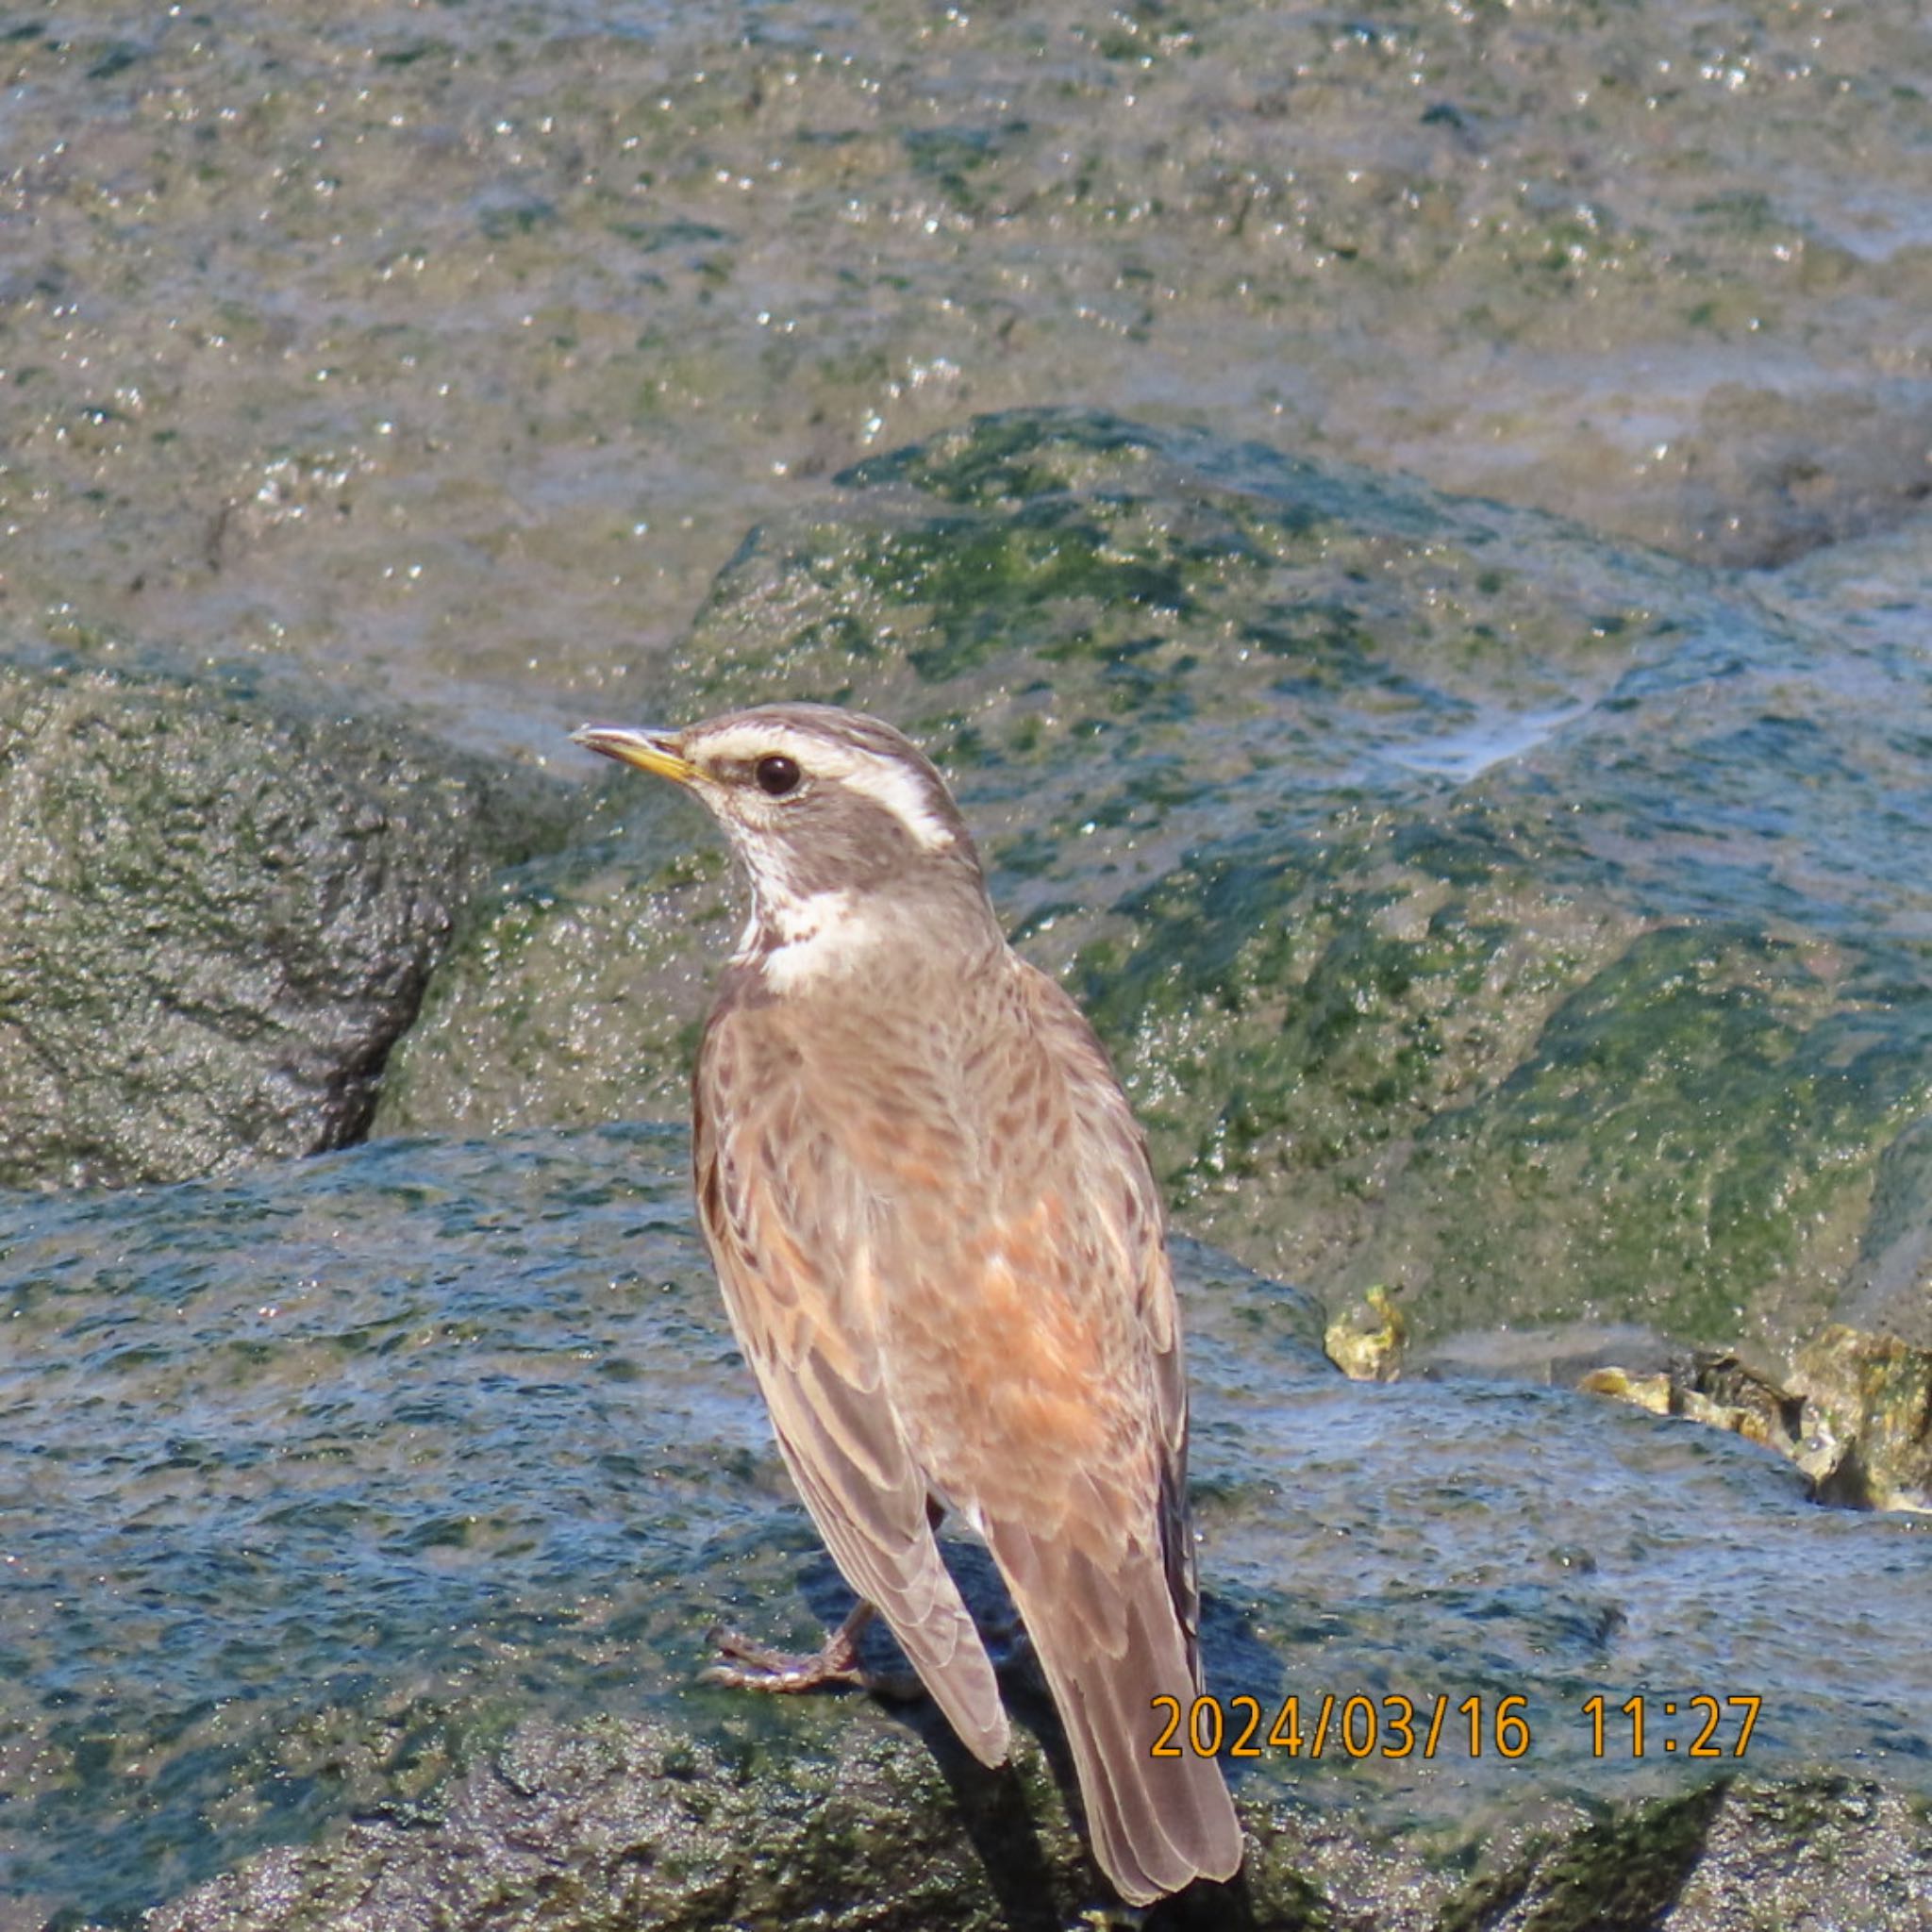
x=1855 y=1413
x=1368 y=1342
x=1868 y=1400
x=1717 y=1390
x=367 y=1515
x=222 y=903
x=1891 y=1288
x=607 y=1827
x=1730 y=1858
x=578 y=990
x=496 y=374
x=1472 y=907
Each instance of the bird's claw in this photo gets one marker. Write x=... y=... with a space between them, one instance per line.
x=749 y=1665
x=755 y=1666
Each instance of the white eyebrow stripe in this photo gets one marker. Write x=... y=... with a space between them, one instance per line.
x=902 y=795
x=898 y=789
x=753 y=740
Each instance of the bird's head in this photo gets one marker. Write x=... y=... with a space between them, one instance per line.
x=828 y=809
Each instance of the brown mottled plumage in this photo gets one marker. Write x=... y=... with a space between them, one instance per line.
x=942 y=1248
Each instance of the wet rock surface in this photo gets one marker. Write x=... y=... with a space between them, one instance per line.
x=1471 y=907
x=223 y=900
x=613 y=1825
x=375 y=1510
x=1533 y=928
x=1891 y=1288
x=578 y=988
x=460 y=348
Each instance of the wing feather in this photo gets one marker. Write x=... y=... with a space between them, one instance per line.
x=1101 y=1559
x=786 y=1225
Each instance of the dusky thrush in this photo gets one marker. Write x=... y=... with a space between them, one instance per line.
x=943 y=1254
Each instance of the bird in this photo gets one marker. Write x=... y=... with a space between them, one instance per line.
x=943 y=1251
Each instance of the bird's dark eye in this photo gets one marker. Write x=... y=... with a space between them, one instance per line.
x=777 y=775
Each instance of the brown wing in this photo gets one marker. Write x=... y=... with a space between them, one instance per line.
x=1033 y=1342
x=786 y=1217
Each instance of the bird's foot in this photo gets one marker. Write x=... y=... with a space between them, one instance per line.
x=750 y=1665
x=755 y=1666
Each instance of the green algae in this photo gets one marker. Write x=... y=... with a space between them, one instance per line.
x=1467 y=904
x=581 y=981
x=1704 y=1117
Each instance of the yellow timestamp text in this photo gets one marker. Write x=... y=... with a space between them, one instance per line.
x=1360 y=1726
x=1392 y=1726
x=1694 y=1727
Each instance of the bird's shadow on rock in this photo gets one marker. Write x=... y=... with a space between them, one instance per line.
x=991 y=1801
x=1206 y=1907
x=994 y=1807
x=998 y=1821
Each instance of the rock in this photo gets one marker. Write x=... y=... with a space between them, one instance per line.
x=1857 y=1416
x=1717 y=1390
x=1671 y=282
x=1867 y=1407
x=608 y=1826
x=224 y=903
x=426 y=1466
x=611 y=1824
x=1728 y=1858
x=1472 y=907
x=1891 y=1288
x=578 y=990
x=1368 y=1341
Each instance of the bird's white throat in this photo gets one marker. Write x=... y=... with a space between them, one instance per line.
x=796 y=942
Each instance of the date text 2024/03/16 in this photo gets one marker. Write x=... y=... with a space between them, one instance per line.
x=1699 y=1726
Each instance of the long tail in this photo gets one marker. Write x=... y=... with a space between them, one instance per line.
x=1110 y=1642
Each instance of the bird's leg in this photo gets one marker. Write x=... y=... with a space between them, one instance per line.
x=759 y=1667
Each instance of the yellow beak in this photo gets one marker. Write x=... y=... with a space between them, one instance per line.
x=649 y=751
